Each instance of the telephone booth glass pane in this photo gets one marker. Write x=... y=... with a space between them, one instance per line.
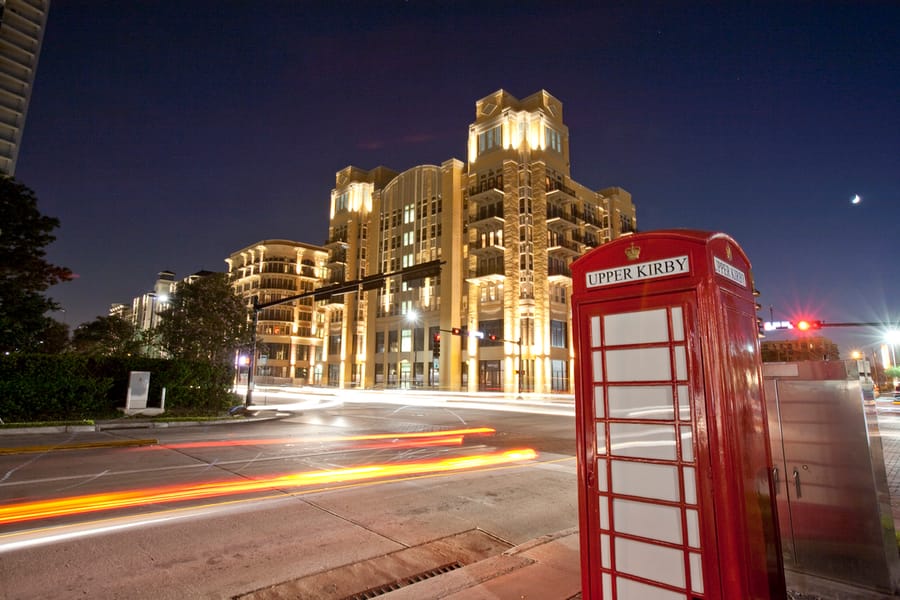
x=654 y=521
x=648 y=480
x=597 y=363
x=650 y=561
x=644 y=327
x=641 y=402
x=641 y=364
x=596 y=340
x=690 y=486
x=680 y=363
x=604 y=513
x=687 y=444
x=677 y=324
x=628 y=588
x=696 y=573
x=693 y=527
x=642 y=441
x=684 y=403
x=599 y=410
x=601 y=476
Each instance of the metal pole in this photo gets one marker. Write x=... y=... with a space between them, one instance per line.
x=248 y=400
x=412 y=354
x=521 y=366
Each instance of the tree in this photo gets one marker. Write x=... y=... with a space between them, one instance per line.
x=107 y=336
x=205 y=320
x=24 y=272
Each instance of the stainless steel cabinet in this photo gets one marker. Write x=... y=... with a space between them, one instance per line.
x=832 y=495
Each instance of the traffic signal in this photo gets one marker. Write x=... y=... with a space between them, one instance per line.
x=436 y=345
x=492 y=337
x=456 y=331
x=805 y=325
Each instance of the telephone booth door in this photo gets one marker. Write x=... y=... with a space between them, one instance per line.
x=642 y=373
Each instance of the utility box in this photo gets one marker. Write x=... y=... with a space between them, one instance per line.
x=833 y=500
x=675 y=479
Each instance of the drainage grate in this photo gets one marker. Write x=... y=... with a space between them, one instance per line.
x=400 y=583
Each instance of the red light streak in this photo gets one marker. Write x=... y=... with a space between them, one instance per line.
x=313 y=440
x=440 y=441
x=75 y=505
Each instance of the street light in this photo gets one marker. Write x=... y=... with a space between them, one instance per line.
x=892 y=337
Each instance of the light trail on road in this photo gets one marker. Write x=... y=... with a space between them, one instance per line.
x=91 y=503
x=437 y=435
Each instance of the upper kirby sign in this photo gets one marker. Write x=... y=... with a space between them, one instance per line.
x=664 y=267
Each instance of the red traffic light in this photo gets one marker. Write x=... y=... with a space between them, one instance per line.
x=456 y=331
x=492 y=337
x=805 y=325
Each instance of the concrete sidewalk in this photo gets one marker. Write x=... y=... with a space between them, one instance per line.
x=547 y=568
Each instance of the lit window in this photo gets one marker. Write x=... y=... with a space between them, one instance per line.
x=490 y=139
x=553 y=139
x=341 y=202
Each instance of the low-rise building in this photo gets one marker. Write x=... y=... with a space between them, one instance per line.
x=802 y=348
x=290 y=335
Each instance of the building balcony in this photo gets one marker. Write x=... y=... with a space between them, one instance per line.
x=486 y=249
x=592 y=223
x=337 y=242
x=556 y=274
x=560 y=195
x=337 y=258
x=485 y=195
x=488 y=274
x=560 y=222
x=485 y=222
x=564 y=249
x=332 y=302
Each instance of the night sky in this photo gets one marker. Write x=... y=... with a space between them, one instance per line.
x=168 y=134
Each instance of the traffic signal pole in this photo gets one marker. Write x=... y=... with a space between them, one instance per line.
x=481 y=335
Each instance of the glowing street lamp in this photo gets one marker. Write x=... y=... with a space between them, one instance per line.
x=892 y=337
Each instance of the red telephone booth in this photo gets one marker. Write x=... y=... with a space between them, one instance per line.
x=675 y=473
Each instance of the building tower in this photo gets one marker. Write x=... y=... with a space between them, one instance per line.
x=527 y=220
x=22 y=24
x=351 y=227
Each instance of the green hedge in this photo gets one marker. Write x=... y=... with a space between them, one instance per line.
x=37 y=387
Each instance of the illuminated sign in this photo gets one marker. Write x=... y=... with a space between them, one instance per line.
x=665 y=267
x=728 y=272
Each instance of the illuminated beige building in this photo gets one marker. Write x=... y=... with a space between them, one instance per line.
x=507 y=223
x=290 y=336
x=22 y=24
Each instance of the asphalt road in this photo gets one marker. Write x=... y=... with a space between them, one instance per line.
x=224 y=511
